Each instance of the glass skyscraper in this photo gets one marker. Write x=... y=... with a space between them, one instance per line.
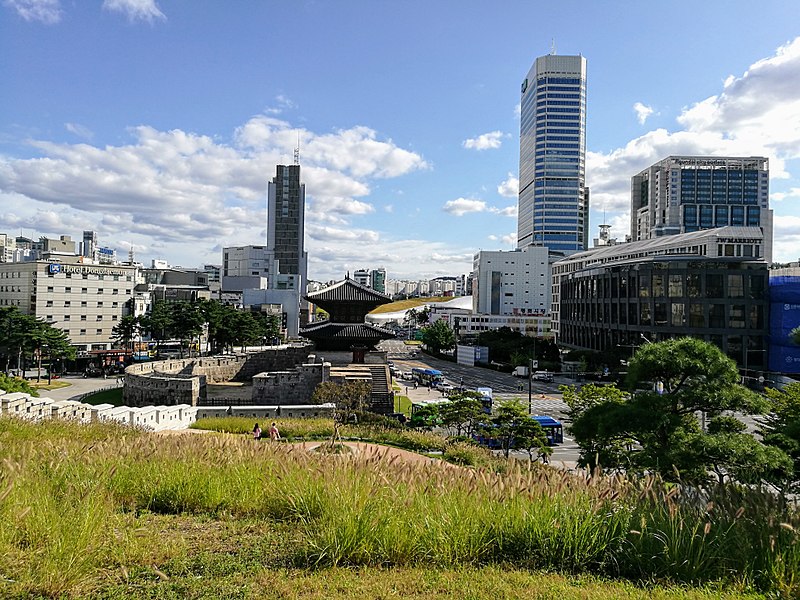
x=553 y=197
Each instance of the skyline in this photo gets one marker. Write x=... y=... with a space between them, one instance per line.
x=160 y=124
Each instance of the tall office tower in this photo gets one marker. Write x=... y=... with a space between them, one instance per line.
x=286 y=207
x=553 y=197
x=681 y=194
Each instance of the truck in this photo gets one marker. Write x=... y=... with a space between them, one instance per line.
x=520 y=371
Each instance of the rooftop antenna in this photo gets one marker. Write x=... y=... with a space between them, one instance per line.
x=131 y=255
x=553 y=46
x=297 y=150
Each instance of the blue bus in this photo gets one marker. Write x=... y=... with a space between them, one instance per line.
x=486 y=399
x=552 y=429
x=429 y=377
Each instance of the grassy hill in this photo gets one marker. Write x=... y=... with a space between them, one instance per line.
x=410 y=303
x=102 y=511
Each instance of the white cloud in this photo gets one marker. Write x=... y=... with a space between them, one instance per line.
x=509 y=239
x=757 y=114
x=389 y=208
x=492 y=237
x=45 y=11
x=80 y=130
x=510 y=187
x=786 y=240
x=508 y=211
x=188 y=193
x=781 y=196
x=642 y=112
x=136 y=10
x=485 y=141
x=462 y=206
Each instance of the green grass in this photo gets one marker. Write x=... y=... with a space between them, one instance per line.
x=112 y=396
x=107 y=512
x=410 y=303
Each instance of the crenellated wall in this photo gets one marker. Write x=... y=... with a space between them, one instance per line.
x=290 y=387
x=183 y=381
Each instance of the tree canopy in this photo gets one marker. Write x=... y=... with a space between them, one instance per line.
x=439 y=336
x=657 y=426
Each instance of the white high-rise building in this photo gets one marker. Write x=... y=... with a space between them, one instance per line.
x=553 y=197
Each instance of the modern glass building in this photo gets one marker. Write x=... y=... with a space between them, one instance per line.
x=705 y=284
x=682 y=194
x=553 y=198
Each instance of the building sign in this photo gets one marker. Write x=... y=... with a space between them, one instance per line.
x=84 y=269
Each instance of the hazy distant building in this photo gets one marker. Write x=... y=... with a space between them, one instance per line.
x=361 y=277
x=553 y=197
x=513 y=282
x=682 y=194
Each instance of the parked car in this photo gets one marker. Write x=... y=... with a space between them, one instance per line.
x=543 y=376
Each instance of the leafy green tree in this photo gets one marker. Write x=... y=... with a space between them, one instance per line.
x=16 y=336
x=15 y=384
x=530 y=436
x=601 y=436
x=439 y=336
x=737 y=455
x=509 y=421
x=126 y=331
x=781 y=429
x=656 y=429
x=158 y=322
x=187 y=322
x=426 y=416
x=795 y=335
x=348 y=398
x=54 y=344
x=462 y=413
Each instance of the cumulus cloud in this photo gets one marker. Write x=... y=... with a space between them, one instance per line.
x=189 y=193
x=44 y=11
x=786 y=240
x=508 y=211
x=642 y=112
x=462 y=206
x=510 y=187
x=485 y=141
x=756 y=114
x=136 y=10
x=781 y=196
x=509 y=239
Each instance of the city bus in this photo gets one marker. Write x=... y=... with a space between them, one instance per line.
x=429 y=377
x=486 y=399
x=552 y=429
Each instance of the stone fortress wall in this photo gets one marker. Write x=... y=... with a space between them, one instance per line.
x=280 y=375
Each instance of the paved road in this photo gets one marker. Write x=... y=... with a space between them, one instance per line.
x=78 y=386
x=545 y=397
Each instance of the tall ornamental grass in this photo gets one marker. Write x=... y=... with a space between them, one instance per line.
x=71 y=496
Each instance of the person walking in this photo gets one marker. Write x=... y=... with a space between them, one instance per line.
x=256 y=432
x=274 y=434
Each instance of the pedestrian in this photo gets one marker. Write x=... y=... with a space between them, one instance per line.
x=256 y=432
x=274 y=434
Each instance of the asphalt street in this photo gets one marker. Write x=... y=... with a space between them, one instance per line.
x=545 y=399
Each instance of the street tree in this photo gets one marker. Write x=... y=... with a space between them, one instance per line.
x=187 y=323
x=507 y=422
x=781 y=429
x=439 y=336
x=126 y=331
x=158 y=322
x=347 y=397
x=463 y=412
x=656 y=429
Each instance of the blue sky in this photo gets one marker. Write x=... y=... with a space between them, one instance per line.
x=158 y=123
